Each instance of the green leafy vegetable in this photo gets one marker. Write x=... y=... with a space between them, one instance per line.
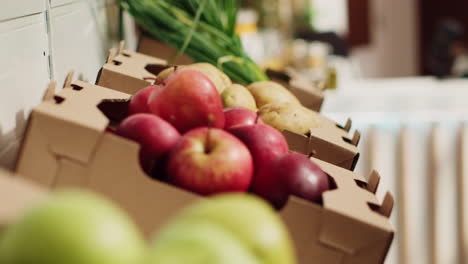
x=202 y=29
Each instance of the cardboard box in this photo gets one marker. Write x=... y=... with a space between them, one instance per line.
x=67 y=144
x=17 y=196
x=310 y=95
x=128 y=71
x=330 y=142
x=158 y=49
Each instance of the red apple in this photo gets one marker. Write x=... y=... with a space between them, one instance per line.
x=240 y=116
x=209 y=161
x=266 y=144
x=302 y=176
x=155 y=136
x=292 y=173
x=188 y=100
x=139 y=102
x=268 y=185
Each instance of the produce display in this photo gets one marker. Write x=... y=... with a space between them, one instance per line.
x=221 y=150
x=217 y=135
x=79 y=227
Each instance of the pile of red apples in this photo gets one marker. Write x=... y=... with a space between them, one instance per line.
x=187 y=139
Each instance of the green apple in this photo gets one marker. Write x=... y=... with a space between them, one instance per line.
x=199 y=242
x=252 y=221
x=237 y=95
x=73 y=228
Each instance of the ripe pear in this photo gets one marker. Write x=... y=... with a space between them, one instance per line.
x=237 y=95
x=292 y=117
x=268 y=92
x=219 y=79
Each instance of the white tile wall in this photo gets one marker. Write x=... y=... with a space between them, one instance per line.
x=77 y=43
x=42 y=40
x=24 y=75
x=17 y=8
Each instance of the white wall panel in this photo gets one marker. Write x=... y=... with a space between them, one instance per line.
x=24 y=77
x=77 y=42
x=17 y=8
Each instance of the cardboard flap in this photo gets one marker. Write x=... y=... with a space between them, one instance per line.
x=351 y=225
x=373 y=182
x=129 y=71
x=17 y=196
x=130 y=187
x=347 y=126
x=329 y=142
x=332 y=138
x=71 y=123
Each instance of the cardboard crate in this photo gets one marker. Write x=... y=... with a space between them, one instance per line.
x=68 y=145
x=330 y=142
x=17 y=196
x=126 y=71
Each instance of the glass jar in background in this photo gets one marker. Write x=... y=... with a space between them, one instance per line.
x=247 y=29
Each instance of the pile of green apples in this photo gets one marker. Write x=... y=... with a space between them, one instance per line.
x=82 y=228
x=202 y=133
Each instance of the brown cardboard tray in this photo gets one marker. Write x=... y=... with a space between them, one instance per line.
x=67 y=145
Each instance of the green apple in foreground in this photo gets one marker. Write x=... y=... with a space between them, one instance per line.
x=73 y=228
x=198 y=242
x=244 y=218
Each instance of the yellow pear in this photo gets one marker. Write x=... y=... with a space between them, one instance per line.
x=291 y=117
x=219 y=79
x=268 y=92
x=237 y=95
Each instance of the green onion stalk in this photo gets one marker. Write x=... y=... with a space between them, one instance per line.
x=202 y=29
